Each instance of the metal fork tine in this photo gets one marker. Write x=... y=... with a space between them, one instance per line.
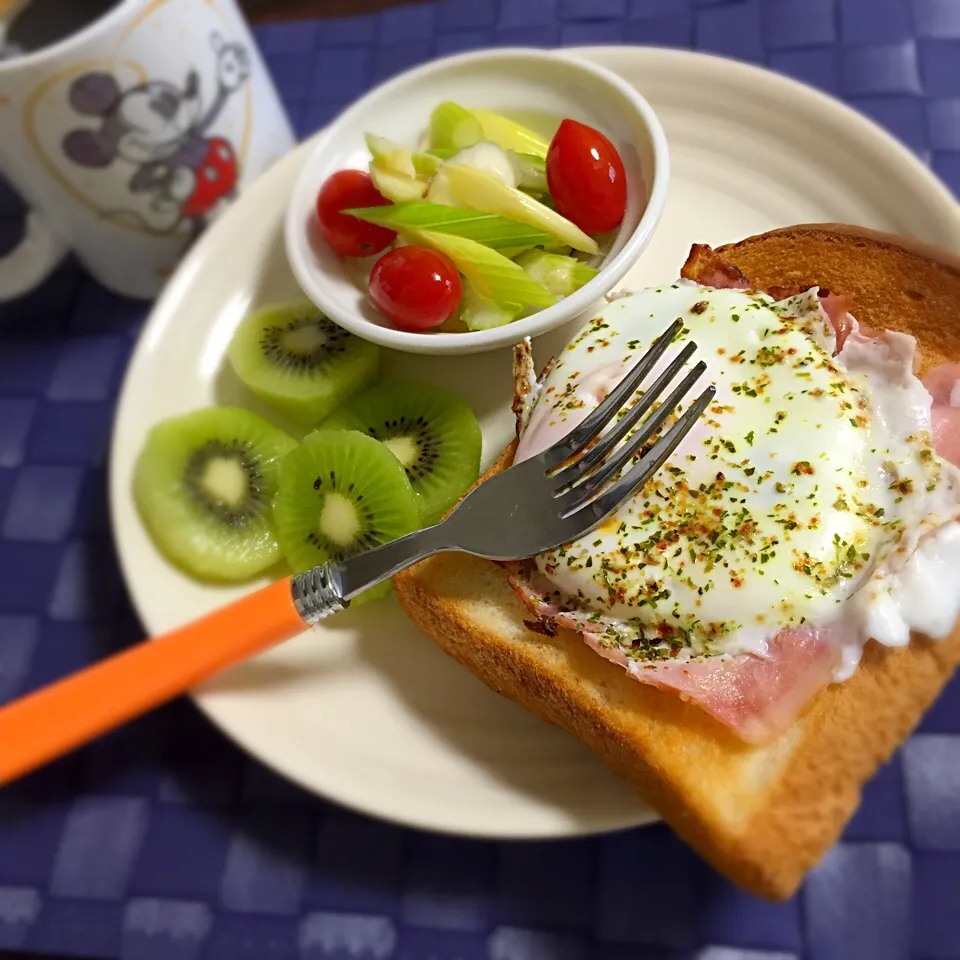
x=584 y=463
x=613 y=497
x=587 y=429
x=588 y=488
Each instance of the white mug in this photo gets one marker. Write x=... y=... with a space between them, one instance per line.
x=129 y=135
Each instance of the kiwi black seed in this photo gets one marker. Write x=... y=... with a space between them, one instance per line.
x=433 y=433
x=205 y=483
x=341 y=493
x=300 y=362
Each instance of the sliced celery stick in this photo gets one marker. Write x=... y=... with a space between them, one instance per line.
x=453 y=126
x=530 y=171
x=510 y=135
x=494 y=276
x=479 y=313
x=426 y=164
x=440 y=191
x=488 y=158
x=468 y=187
x=390 y=155
x=560 y=275
x=485 y=228
x=400 y=159
x=395 y=186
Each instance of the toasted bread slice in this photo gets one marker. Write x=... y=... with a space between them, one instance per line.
x=763 y=815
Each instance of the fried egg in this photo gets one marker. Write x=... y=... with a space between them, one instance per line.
x=808 y=494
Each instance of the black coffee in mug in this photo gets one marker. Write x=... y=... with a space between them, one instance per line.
x=42 y=23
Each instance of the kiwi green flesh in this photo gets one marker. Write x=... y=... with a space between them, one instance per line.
x=433 y=433
x=204 y=484
x=299 y=362
x=341 y=493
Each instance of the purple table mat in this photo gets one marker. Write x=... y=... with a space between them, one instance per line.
x=165 y=842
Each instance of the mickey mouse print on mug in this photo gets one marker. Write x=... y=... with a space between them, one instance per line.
x=129 y=136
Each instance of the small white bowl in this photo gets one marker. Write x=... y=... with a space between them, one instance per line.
x=508 y=80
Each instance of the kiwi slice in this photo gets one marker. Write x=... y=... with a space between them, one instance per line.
x=341 y=493
x=299 y=362
x=434 y=434
x=205 y=483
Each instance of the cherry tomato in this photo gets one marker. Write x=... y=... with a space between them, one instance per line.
x=415 y=288
x=586 y=177
x=347 y=235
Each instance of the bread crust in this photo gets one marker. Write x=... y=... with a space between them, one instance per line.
x=762 y=815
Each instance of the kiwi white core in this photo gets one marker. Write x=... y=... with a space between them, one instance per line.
x=304 y=340
x=338 y=519
x=225 y=481
x=404 y=448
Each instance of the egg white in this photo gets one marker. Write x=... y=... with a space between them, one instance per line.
x=810 y=480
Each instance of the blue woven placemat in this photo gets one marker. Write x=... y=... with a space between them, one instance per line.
x=164 y=842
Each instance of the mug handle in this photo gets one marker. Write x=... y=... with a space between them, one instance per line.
x=33 y=260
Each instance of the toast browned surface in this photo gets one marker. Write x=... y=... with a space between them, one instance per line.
x=763 y=815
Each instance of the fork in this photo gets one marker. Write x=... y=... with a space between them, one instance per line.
x=534 y=506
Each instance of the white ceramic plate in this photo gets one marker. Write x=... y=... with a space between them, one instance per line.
x=365 y=710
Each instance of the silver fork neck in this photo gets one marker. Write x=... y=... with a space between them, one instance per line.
x=326 y=589
x=371 y=567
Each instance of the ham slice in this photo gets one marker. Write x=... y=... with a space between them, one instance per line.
x=945 y=427
x=941 y=383
x=758 y=697
x=837 y=308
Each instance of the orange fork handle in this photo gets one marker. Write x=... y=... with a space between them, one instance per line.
x=60 y=717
